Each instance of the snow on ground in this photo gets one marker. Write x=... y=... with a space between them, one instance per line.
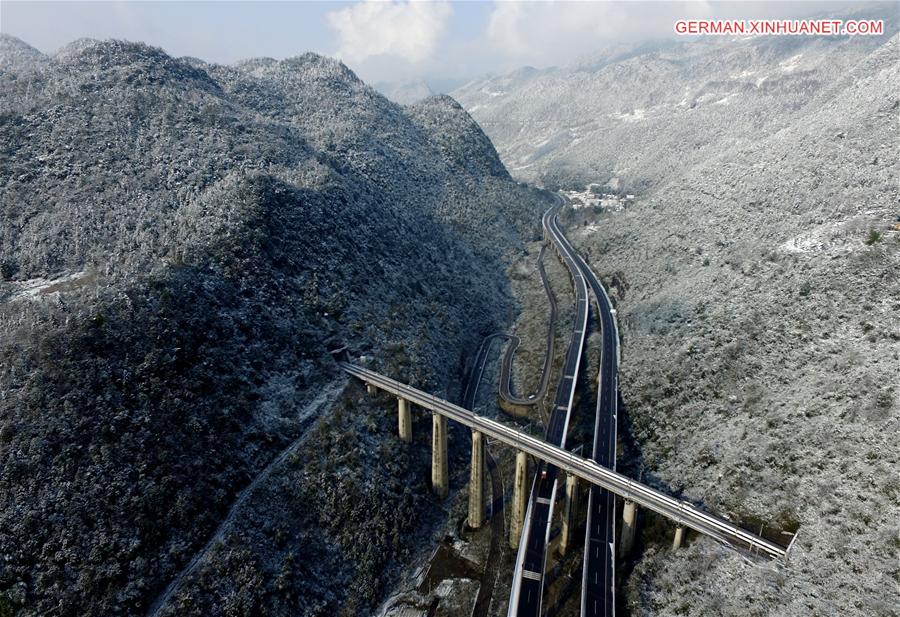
x=33 y=288
x=828 y=239
x=791 y=64
x=635 y=115
x=726 y=100
x=743 y=74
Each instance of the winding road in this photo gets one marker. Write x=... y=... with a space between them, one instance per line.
x=599 y=568
x=528 y=578
x=492 y=566
x=506 y=366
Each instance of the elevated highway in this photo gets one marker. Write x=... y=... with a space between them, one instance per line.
x=599 y=567
x=681 y=512
x=599 y=469
x=528 y=577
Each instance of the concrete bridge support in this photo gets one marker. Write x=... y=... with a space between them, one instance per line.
x=517 y=516
x=629 y=517
x=571 y=507
x=440 y=479
x=371 y=390
x=404 y=420
x=476 y=482
x=679 y=537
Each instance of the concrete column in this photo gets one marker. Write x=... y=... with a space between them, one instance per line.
x=629 y=516
x=568 y=521
x=440 y=480
x=476 y=482
x=679 y=537
x=517 y=517
x=371 y=389
x=404 y=420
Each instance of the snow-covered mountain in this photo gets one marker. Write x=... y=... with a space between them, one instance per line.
x=631 y=116
x=181 y=244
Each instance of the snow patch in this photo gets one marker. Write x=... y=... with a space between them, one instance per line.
x=791 y=64
x=726 y=100
x=743 y=74
x=828 y=239
x=636 y=115
x=33 y=288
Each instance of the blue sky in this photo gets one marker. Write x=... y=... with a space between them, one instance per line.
x=382 y=41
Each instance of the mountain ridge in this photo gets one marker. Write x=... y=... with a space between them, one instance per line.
x=619 y=119
x=178 y=254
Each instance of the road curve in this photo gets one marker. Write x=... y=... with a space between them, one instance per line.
x=506 y=366
x=599 y=567
x=492 y=564
x=528 y=577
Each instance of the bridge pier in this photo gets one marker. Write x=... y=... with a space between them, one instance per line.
x=590 y=471
x=629 y=515
x=517 y=516
x=679 y=537
x=568 y=521
x=440 y=480
x=476 y=482
x=404 y=420
x=371 y=390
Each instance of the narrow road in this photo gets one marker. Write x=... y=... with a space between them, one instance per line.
x=488 y=578
x=506 y=366
x=327 y=396
x=498 y=533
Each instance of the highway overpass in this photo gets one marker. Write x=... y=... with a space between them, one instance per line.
x=681 y=512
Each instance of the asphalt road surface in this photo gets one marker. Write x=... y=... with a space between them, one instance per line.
x=506 y=366
x=528 y=581
x=495 y=552
x=599 y=569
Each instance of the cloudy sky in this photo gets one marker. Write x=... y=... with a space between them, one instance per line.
x=380 y=40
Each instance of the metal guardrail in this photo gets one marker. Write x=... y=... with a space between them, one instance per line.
x=576 y=349
x=604 y=308
x=679 y=511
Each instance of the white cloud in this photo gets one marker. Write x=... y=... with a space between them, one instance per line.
x=543 y=33
x=409 y=31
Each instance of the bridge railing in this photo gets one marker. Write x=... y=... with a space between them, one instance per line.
x=679 y=511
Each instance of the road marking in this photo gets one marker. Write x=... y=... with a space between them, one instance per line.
x=543 y=500
x=531 y=575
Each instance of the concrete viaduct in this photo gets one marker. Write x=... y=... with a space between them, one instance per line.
x=682 y=513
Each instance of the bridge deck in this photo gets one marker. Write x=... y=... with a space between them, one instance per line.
x=679 y=511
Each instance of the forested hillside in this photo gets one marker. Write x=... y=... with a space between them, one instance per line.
x=181 y=244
